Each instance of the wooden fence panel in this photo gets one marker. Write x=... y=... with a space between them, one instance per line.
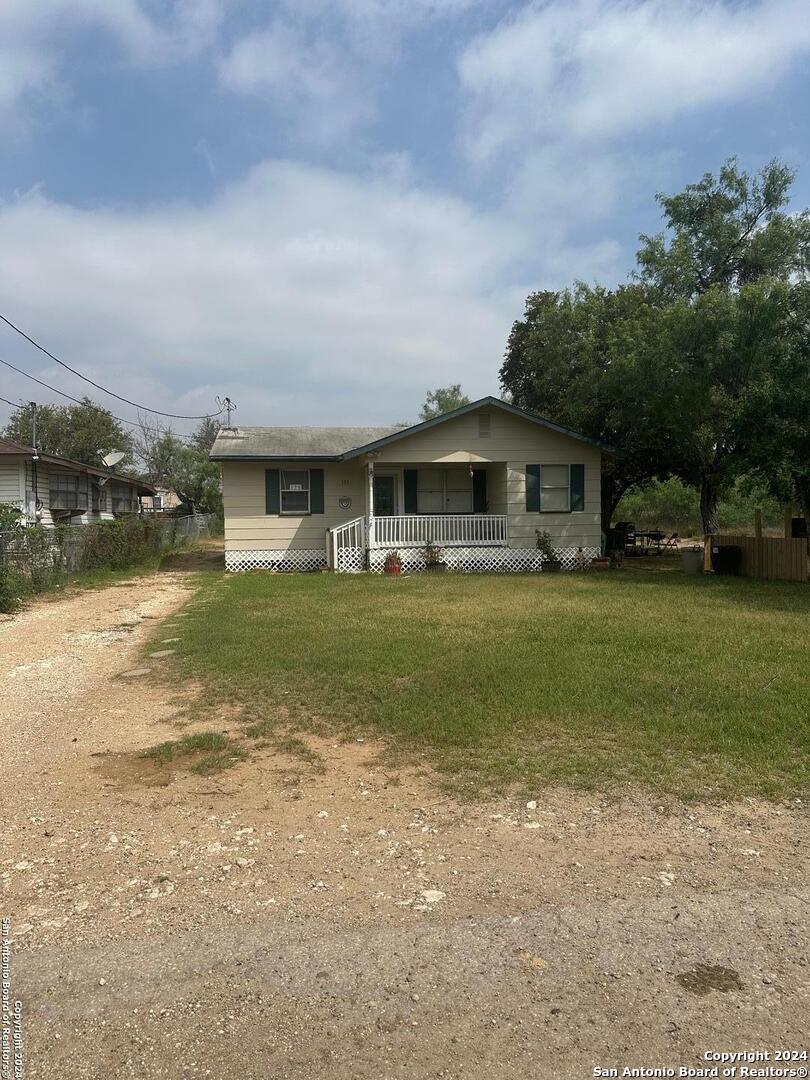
x=770 y=557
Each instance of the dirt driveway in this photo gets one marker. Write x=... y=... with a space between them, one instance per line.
x=317 y=915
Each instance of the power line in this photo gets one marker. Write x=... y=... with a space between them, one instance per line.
x=13 y=404
x=98 y=386
x=84 y=404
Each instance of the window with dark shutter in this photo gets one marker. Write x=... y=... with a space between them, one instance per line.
x=411 y=488
x=316 y=491
x=295 y=491
x=479 y=491
x=532 y=489
x=577 y=487
x=271 y=491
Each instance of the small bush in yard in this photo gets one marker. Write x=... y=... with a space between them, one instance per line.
x=34 y=559
x=13 y=590
x=117 y=545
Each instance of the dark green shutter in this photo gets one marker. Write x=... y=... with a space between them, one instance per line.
x=271 y=491
x=479 y=480
x=533 y=489
x=577 y=487
x=316 y=491
x=410 y=490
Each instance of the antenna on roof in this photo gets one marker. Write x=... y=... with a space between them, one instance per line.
x=229 y=407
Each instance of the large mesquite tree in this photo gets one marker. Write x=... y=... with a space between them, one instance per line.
x=729 y=243
x=591 y=359
x=680 y=369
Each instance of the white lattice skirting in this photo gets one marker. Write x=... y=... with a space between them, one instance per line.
x=482 y=560
x=461 y=560
x=281 y=560
x=350 y=560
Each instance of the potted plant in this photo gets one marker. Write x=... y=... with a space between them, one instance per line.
x=433 y=558
x=393 y=563
x=547 y=553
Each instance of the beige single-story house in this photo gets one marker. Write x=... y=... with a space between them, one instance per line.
x=164 y=500
x=50 y=490
x=477 y=482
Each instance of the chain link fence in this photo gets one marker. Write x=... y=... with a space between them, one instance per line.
x=34 y=559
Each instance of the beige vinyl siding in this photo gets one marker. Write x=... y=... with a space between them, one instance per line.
x=458 y=441
x=512 y=444
x=249 y=528
x=517 y=443
x=580 y=529
x=12 y=484
x=497 y=502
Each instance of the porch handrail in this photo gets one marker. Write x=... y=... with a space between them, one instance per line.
x=351 y=534
x=445 y=530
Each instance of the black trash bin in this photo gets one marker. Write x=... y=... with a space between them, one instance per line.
x=727 y=559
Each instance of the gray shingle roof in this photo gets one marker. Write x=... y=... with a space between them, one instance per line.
x=293 y=442
x=342 y=443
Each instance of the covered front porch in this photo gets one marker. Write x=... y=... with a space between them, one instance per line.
x=408 y=506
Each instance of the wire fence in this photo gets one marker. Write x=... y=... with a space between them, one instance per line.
x=34 y=559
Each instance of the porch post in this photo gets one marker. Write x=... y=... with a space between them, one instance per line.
x=370 y=502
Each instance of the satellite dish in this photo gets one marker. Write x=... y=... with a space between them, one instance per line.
x=112 y=459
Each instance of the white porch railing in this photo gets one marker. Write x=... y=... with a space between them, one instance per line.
x=347 y=545
x=445 y=530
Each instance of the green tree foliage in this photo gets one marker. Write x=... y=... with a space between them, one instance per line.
x=182 y=466
x=203 y=436
x=83 y=432
x=196 y=479
x=674 y=506
x=721 y=348
x=724 y=272
x=157 y=448
x=699 y=368
x=726 y=232
x=591 y=359
x=778 y=415
x=442 y=400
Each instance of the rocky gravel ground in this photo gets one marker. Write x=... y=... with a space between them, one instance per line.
x=338 y=917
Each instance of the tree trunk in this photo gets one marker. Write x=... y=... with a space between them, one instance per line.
x=709 y=498
x=611 y=493
x=801 y=487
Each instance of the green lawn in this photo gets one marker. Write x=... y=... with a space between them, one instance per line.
x=691 y=685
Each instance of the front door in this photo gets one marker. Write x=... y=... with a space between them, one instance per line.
x=385 y=495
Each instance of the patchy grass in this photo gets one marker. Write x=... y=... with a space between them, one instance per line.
x=218 y=751
x=297 y=748
x=222 y=759
x=690 y=685
x=262 y=729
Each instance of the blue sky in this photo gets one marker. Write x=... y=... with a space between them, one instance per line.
x=325 y=207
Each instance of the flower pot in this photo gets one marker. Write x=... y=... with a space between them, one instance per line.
x=552 y=566
x=600 y=564
x=393 y=569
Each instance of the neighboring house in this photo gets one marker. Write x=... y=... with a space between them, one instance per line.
x=51 y=490
x=478 y=482
x=163 y=500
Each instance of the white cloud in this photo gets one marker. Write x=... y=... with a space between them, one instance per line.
x=321 y=62
x=35 y=36
x=595 y=69
x=306 y=294
x=311 y=79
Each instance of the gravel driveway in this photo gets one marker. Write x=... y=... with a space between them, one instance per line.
x=331 y=917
